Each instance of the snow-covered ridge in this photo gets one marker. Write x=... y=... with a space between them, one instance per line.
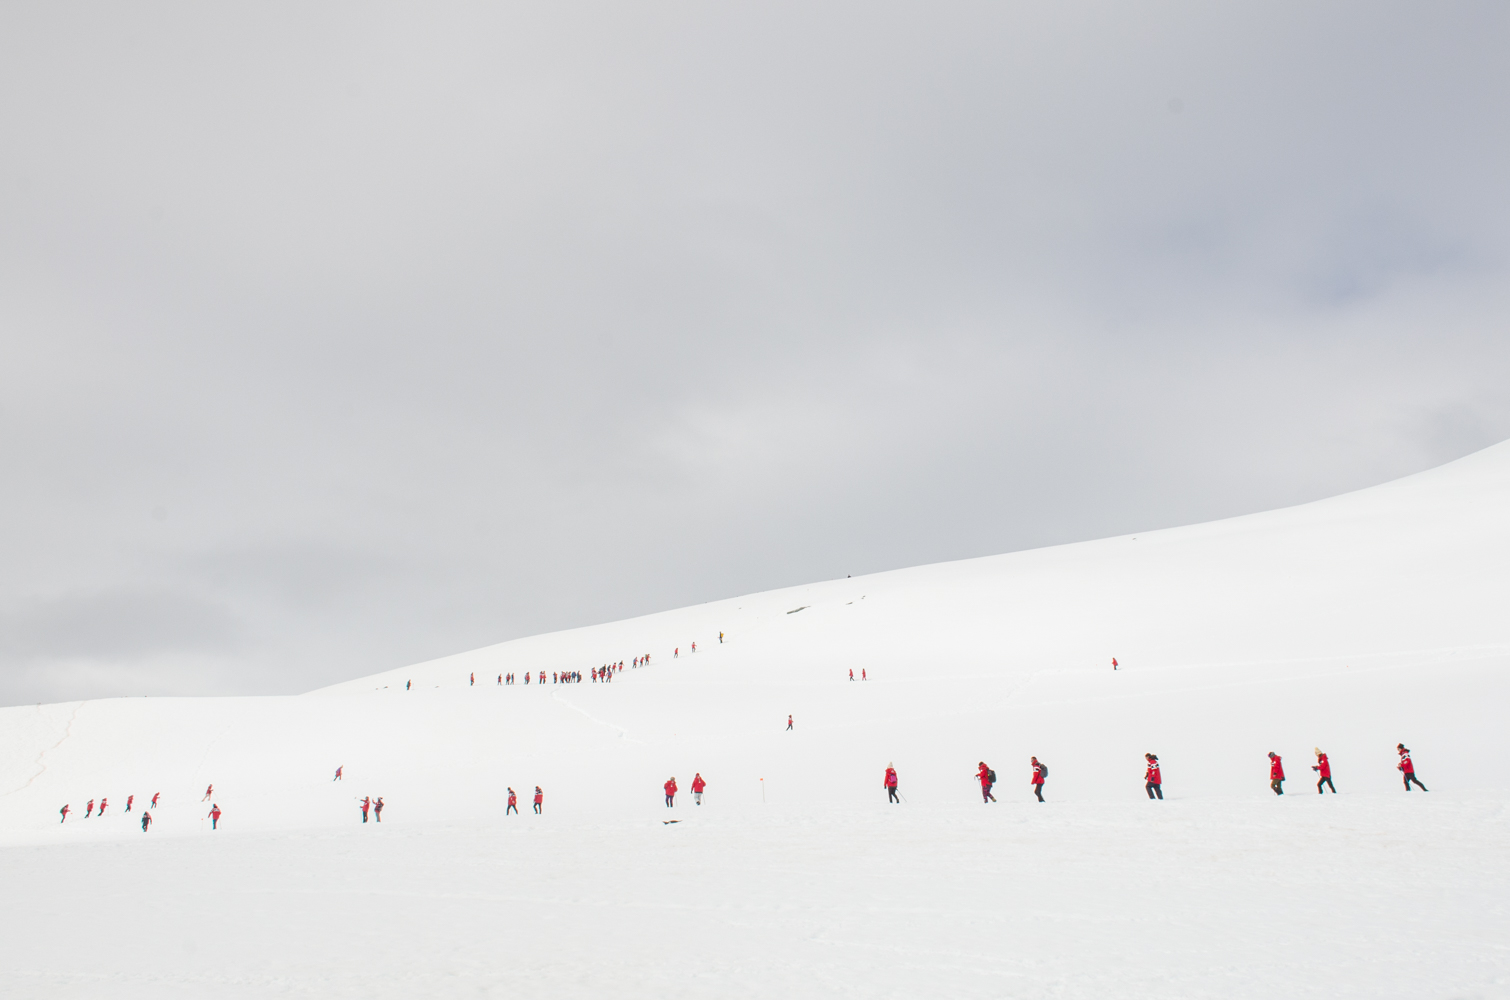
x=1352 y=623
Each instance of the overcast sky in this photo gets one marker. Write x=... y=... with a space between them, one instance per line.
x=337 y=338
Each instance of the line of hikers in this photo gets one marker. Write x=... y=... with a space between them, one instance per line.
x=514 y=802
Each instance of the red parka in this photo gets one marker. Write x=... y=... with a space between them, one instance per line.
x=1323 y=765
x=1037 y=774
x=1276 y=769
x=891 y=777
x=1405 y=764
x=1152 y=775
x=670 y=787
x=698 y=784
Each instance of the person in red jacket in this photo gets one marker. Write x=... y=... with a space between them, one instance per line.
x=1039 y=774
x=891 y=784
x=670 y=787
x=1276 y=773
x=987 y=778
x=154 y=799
x=1323 y=769
x=513 y=804
x=103 y=804
x=64 y=812
x=698 y=784
x=207 y=793
x=1153 y=778
x=214 y=815
x=364 y=805
x=1405 y=767
x=89 y=808
x=539 y=799
x=129 y=799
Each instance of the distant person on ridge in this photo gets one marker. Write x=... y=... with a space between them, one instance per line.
x=105 y=802
x=1114 y=663
x=1323 y=768
x=154 y=799
x=210 y=790
x=891 y=784
x=146 y=820
x=513 y=804
x=851 y=673
x=789 y=722
x=364 y=805
x=214 y=816
x=698 y=784
x=1276 y=773
x=539 y=799
x=987 y=778
x=89 y=809
x=862 y=674
x=670 y=787
x=1405 y=767
x=1040 y=774
x=1153 y=779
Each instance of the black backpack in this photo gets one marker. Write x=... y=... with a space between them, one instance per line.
x=1043 y=769
x=991 y=776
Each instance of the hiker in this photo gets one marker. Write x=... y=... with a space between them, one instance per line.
x=891 y=784
x=1153 y=781
x=1040 y=773
x=1323 y=768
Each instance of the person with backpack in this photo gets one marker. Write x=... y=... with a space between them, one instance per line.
x=1405 y=767
x=987 y=778
x=1153 y=779
x=1323 y=768
x=1040 y=774
x=891 y=784
x=1276 y=773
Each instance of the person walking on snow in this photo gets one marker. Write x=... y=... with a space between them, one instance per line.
x=539 y=799
x=1114 y=663
x=513 y=804
x=1040 y=773
x=1276 y=773
x=670 y=787
x=103 y=803
x=365 y=804
x=1323 y=768
x=207 y=793
x=1153 y=779
x=1405 y=767
x=154 y=799
x=64 y=813
x=214 y=815
x=851 y=673
x=129 y=799
x=471 y=679
x=377 y=809
x=789 y=722
x=987 y=778
x=146 y=820
x=862 y=673
x=720 y=638
x=698 y=784
x=338 y=773
x=891 y=784
x=89 y=809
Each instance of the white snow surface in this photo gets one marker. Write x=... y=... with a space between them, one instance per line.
x=1350 y=624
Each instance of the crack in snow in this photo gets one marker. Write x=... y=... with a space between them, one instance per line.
x=41 y=762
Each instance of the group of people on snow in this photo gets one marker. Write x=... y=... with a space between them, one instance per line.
x=698 y=784
x=90 y=810
x=513 y=806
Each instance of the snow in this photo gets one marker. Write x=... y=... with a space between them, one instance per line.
x=1350 y=624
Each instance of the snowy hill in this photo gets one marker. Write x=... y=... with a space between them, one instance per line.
x=1350 y=624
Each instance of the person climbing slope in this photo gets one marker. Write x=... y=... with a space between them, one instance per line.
x=214 y=816
x=670 y=787
x=154 y=799
x=209 y=791
x=338 y=773
x=1405 y=767
x=789 y=722
x=103 y=803
x=146 y=820
x=987 y=778
x=513 y=804
x=1323 y=769
x=1276 y=773
x=698 y=784
x=129 y=799
x=891 y=783
x=1153 y=778
x=64 y=813
x=1040 y=775
x=89 y=809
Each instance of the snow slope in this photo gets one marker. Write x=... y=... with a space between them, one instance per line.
x=1352 y=623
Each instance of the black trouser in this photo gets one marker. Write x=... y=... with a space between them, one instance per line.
x=1278 y=786
x=537 y=808
x=1411 y=776
x=891 y=794
x=1153 y=790
x=668 y=802
x=1326 y=780
x=1038 y=790
x=511 y=809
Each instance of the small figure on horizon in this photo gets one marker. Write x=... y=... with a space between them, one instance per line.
x=103 y=803
x=338 y=773
x=513 y=804
x=539 y=799
x=64 y=813
x=720 y=638
x=1114 y=663
x=788 y=722
x=891 y=784
x=987 y=778
x=89 y=809
x=129 y=799
x=1276 y=773
x=1323 y=767
x=210 y=790
x=154 y=799
x=1405 y=767
x=1153 y=780
x=1040 y=775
